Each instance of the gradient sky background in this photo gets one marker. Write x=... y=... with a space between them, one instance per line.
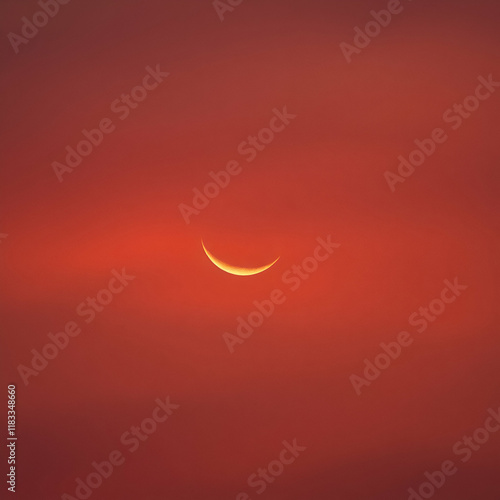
x=322 y=176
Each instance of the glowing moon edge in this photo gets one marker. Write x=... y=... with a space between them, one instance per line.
x=236 y=270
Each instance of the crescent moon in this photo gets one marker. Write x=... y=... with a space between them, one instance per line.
x=236 y=270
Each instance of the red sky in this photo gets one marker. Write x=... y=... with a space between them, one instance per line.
x=323 y=175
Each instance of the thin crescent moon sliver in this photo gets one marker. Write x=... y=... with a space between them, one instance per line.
x=236 y=270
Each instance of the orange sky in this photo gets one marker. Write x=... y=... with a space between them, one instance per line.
x=322 y=175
